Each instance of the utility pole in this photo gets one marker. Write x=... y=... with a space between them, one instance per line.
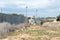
x=26 y=20
x=36 y=13
x=26 y=11
x=1 y=10
x=59 y=10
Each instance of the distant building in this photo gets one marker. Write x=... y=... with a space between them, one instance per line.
x=50 y=19
x=47 y=19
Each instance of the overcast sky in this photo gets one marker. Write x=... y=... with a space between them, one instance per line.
x=45 y=7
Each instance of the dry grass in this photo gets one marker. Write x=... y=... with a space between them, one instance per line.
x=50 y=32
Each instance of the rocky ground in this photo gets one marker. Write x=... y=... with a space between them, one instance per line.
x=44 y=32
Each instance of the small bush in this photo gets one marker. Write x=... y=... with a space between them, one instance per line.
x=58 y=18
x=6 y=27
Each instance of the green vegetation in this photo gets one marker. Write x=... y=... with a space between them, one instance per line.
x=41 y=23
x=58 y=18
x=15 y=14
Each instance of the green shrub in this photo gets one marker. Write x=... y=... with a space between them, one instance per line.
x=58 y=18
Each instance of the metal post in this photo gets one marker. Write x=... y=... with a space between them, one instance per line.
x=59 y=10
x=1 y=10
x=26 y=16
x=26 y=11
x=36 y=13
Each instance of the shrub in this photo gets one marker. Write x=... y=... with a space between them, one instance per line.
x=6 y=27
x=58 y=18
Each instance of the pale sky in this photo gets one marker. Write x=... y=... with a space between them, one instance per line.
x=45 y=7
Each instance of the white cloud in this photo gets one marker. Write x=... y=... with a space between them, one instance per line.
x=38 y=3
x=29 y=3
x=2 y=4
